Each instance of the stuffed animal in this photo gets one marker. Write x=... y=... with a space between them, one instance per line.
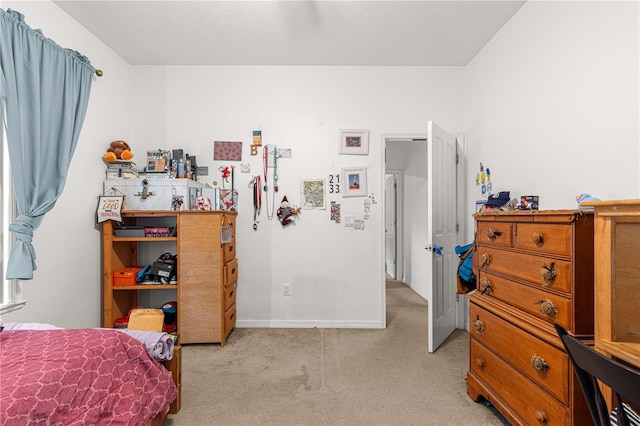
x=286 y=211
x=203 y=203
x=118 y=150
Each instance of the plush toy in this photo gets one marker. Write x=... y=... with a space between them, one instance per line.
x=203 y=203
x=285 y=212
x=118 y=150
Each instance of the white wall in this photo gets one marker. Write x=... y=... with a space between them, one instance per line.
x=66 y=289
x=336 y=273
x=552 y=104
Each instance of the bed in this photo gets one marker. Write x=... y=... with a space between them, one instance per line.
x=81 y=377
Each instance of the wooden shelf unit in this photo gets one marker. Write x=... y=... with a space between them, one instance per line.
x=617 y=280
x=207 y=271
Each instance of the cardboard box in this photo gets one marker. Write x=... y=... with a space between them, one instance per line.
x=146 y=319
x=126 y=276
x=158 y=194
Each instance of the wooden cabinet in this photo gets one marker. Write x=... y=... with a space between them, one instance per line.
x=533 y=268
x=617 y=282
x=207 y=270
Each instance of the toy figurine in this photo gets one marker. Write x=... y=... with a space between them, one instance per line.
x=286 y=211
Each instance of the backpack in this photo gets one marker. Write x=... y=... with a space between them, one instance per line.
x=466 y=279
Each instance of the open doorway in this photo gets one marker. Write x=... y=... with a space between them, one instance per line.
x=405 y=204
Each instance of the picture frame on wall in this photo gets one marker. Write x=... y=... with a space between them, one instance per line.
x=354 y=142
x=354 y=181
x=313 y=194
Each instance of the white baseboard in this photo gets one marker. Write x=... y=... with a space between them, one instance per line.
x=308 y=324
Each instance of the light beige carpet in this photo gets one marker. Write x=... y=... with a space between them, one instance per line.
x=333 y=376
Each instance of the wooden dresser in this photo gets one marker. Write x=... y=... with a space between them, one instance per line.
x=533 y=268
x=205 y=245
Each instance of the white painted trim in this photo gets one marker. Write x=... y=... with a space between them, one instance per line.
x=381 y=243
x=309 y=324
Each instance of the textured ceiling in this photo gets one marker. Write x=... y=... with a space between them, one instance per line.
x=392 y=32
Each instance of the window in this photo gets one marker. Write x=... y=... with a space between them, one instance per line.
x=11 y=297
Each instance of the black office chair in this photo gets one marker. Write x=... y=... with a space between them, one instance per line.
x=592 y=367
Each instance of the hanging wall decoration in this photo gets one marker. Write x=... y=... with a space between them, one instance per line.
x=354 y=181
x=483 y=180
x=335 y=212
x=110 y=208
x=354 y=142
x=312 y=193
x=227 y=151
x=286 y=212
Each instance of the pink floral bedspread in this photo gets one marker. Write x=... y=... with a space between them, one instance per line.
x=79 y=377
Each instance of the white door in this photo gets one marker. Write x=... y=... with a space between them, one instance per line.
x=441 y=233
x=390 y=226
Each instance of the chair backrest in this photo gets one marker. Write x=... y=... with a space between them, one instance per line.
x=592 y=367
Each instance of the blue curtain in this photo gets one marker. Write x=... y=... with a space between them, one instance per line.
x=44 y=91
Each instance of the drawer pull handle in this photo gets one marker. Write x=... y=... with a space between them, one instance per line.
x=538 y=363
x=480 y=362
x=547 y=273
x=537 y=238
x=479 y=326
x=484 y=260
x=548 y=308
x=485 y=285
x=541 y=416
x=492 y=234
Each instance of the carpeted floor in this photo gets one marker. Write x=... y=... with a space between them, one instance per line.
x=333 y=376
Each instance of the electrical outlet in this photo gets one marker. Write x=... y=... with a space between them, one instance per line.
x=286 y=289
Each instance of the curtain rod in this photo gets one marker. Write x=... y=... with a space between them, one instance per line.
x=99 y=73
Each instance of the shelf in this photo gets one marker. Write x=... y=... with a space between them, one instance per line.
x=146 y=287
x=145 y=239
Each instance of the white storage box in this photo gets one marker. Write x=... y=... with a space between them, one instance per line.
x=157 y=194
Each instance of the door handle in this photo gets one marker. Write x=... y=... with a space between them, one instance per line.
x=435 y=249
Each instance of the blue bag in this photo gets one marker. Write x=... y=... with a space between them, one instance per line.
x=465 y=276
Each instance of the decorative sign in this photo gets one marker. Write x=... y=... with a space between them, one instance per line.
x=334 y=184
x=226 y=234
x=110 y=208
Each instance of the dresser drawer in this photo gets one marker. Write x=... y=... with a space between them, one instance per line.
x=532 y=404
x=230 y=295
x=229 y=319
x=536 y=301
x=525 y=352
x=230 y=272
x=229 y=250
x=544 y=238
x=526 y=267
x=497 y=233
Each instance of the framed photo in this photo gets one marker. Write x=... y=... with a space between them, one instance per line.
x=312 y=194
x=354 y=142
x=354 y=181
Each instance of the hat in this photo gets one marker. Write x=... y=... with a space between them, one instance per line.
x=499 y=199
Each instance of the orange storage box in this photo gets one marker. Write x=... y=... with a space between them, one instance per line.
x=126 y=276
